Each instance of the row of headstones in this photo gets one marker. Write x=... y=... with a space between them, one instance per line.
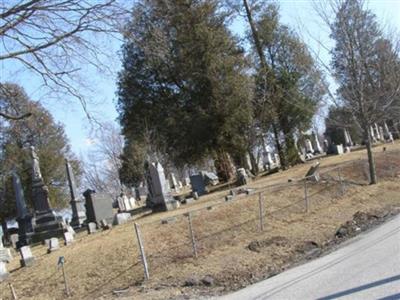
x=27 y=258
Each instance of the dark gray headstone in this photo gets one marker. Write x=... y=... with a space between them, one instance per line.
x=98 y=207
x=24 y=219
x=198 y=184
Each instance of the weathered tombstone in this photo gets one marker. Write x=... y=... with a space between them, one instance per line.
x=338 y=149
x=313 y=173
x=198 y=184
x=68 y=238
x=377 y=132
x=326 y=146
x=54 y=245
x=195 y=195
x=381 y=133
x=92 y=227
x=141 y=193
x=27 y=258
x=173 y=182
x=24 y=219
x=209 y=178
x=3 y=271
x=309 y=147
x=268 y=163
x=5 y=254
x=388 y=134
x=78 y=210
x=242 y=178
x=316 y=145
x=121 y=203
x=125 y=203
x=46 y=222
x=186 y=181
x=98 y=207
x=71 y=230
x=14 y=238
x=121 y=218
x=159 y=197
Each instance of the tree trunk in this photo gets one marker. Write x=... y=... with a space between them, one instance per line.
x=254 y=165
x=223 y=166
x=281 y=153
x=371 y=161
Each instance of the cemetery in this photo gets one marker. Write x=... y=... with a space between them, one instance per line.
x=108 y=259
x=188 y=149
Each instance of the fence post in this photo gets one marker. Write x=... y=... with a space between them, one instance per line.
x=261 y=211
x=341 y=182
x=142 y=254
x=306 y=196
x=194 y=246
x=14 y=295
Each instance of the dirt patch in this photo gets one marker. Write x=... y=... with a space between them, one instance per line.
x=257 y=246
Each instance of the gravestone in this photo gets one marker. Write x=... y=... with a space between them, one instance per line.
x=14 y=238
x=242 y=178
x=92 y=227
x=98 y=207
x=125 y=203
x=388 y=134
x=377 y=132
x=121 y=218
x=338 y=149
x=141 y=193
x=77 y=205
x=159 y=197
x=316 y=145
x=68 y=238
x=309 y=147
x=209 y=178
x=3 y=271
x=186 y=181
x=5 y=257
x=313 y=173
x=54 y=245
x=27 y=258
x=198 y=184
x=24 y=219
x=46 y=223
x=173 y=182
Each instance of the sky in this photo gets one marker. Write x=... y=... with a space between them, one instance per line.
x=298 y=14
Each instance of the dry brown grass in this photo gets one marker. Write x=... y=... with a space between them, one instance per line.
x=98 y=264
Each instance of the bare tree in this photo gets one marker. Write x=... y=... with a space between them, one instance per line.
x=102 y=164
x=53 y=38
x=365 y=64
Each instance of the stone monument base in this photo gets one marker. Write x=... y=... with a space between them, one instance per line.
x=79 y=221
x=47 y=225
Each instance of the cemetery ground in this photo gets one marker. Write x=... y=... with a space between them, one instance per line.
x=232 y=250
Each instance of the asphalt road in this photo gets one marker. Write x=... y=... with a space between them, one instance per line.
x=365 y=267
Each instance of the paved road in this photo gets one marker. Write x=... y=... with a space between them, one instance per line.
x=366 y=267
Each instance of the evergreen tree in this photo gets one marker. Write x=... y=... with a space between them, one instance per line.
x=183 y=91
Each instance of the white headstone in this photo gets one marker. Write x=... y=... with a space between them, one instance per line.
x=92 y=227
x=309 y=147
x=3 y=271
x=54 y=245
x=68 y=238
x=121 y=218
x=5 y=254
x=27 y=258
